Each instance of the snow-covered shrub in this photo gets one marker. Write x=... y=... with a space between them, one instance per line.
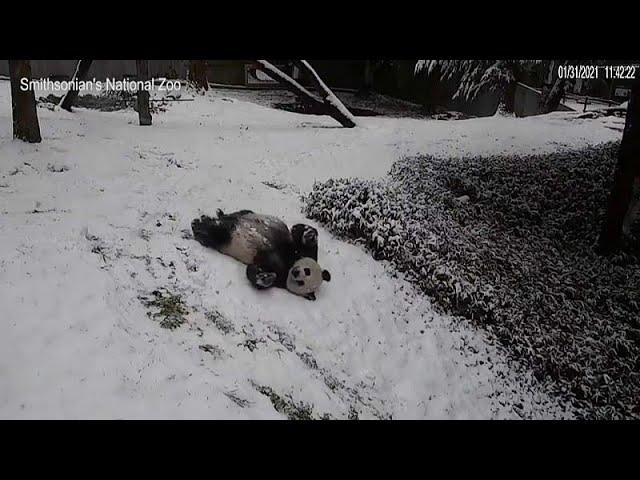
x=507 y=241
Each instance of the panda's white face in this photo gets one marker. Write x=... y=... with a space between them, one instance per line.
x=305 y=277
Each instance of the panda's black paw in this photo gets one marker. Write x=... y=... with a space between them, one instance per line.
x=310 y=296
x=305 y=239
x=304 y=234
x=260 y=279
x=265 y=279
x=309 y=236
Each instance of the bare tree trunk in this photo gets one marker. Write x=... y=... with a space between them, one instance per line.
x=305 y=95
x=144 y=114
x=510 y=91
x=23 y=103
x=627 y=171
x=367 y=80
x=82 y=68
x=552 y=100
x=368 y=75
x=198 y=74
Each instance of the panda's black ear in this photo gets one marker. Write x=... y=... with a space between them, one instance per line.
x=326 y=276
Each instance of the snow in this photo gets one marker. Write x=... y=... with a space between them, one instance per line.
x=93 y=217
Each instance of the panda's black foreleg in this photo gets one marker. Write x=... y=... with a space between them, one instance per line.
x=305 y=239
x=260 y=278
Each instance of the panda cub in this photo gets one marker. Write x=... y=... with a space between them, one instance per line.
x=275 y=256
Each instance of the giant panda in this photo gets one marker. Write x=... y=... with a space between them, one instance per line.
x=275 y=256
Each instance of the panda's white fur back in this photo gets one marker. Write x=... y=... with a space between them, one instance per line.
x=253 y=232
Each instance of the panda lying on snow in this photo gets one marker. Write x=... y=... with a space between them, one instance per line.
x=275 y=256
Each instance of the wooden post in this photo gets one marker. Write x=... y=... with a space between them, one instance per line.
x=82 y=69
x=23 y=103
x=144 y=114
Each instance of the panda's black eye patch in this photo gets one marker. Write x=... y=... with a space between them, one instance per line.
x=307 y=271
x=300 y=282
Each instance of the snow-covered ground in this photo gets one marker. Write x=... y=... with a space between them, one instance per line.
x=93 y=217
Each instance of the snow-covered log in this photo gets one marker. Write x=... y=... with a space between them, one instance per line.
x=330 y=103
x=23 y=103
x=335 y=106
x=289 y=83
x=82 y=68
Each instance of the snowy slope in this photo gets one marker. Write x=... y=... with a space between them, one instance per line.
x=93 y=217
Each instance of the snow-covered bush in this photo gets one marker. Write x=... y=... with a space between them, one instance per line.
x=507 y=241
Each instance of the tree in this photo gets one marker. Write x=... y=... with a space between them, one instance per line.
x=82 y=69
x=198 y=74
x=475 y=76
x=327 y=102
x=626 y=172
x=550 y=101
x=23 y=103
x=551 y=98
x=144 y=114
x=367 y=78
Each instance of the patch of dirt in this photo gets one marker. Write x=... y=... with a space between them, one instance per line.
x=286 y=405
x=215 y=351
x=299 y=107
x=170 y=309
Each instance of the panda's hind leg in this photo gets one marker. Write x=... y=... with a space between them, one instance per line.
x=231 y=216
x=210 y=232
